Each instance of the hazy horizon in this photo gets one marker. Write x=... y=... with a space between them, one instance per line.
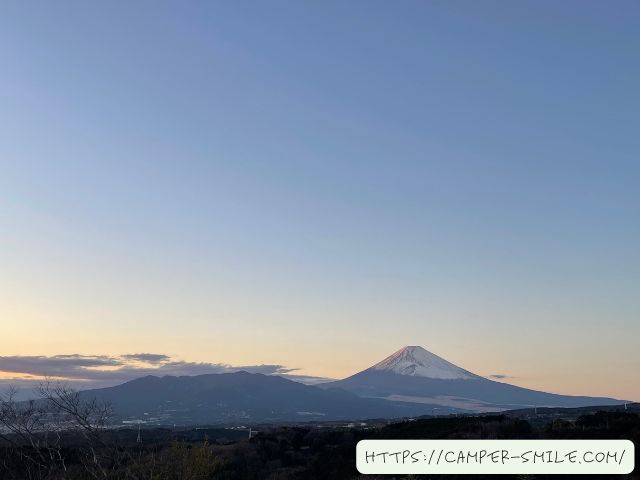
x=309 y=187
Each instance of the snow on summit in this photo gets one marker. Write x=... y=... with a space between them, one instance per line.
x=418 y=362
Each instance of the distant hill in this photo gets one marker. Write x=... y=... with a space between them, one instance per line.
x=415 y=375
x=241 y=397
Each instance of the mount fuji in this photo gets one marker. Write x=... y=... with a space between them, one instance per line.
x=415 y=375
x=418 y=362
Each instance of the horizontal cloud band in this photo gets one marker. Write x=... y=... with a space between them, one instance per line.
x=99 y=370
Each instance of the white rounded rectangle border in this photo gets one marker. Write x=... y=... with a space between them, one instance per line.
x=495 y=456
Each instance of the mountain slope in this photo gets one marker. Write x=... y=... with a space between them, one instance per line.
x=240 y=397
x=415 y=375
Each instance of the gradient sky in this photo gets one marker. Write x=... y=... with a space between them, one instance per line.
x=317 y=184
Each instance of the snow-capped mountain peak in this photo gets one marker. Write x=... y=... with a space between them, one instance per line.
x=418 y=362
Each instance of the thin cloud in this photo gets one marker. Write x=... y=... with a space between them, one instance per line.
x=93 y=371
x=308 y=379
x=147 y=357
x=500 y=376
x=72 y=366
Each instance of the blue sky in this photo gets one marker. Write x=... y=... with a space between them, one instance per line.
x=302 y=178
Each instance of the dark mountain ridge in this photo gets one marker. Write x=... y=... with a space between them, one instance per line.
x=240 y=397
x=411 y=382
